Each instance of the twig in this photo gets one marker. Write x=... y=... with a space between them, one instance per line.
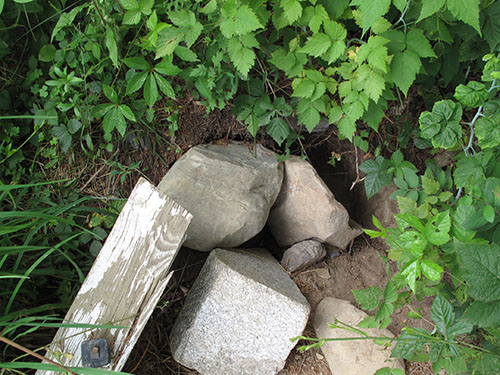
x=36 y=355
x=357 y=172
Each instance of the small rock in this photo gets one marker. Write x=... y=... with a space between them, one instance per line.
x=239 y=316
x=319 y=356
x=382 y=207
x=306 y=209
x=229 y=190
x=357 y=357
x=302 y=255
x=324 y=273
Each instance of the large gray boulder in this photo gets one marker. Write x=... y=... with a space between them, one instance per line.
x=239 y=316
x=307 y=209
x=356 y=357
x=229 y=190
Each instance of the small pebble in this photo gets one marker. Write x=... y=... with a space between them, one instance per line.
x=324 y=273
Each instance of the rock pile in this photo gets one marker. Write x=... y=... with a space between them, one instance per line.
x=243 y=309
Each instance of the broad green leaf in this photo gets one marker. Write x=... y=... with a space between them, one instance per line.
x=291 y=9
x=461 y=213
x=63 y=137
x=431 y=270
x=243 y=22
x=150 y=91
x=185 y=54
x=466 y=11
x=488 y=131
x=304 y=89
x=371 y=10
x=410 y=341
x=136 y=82
x=489 y=213
x=307 y=114
x=473 y=95
x=182 y=18
x=145 y=6
x=354 y=110
x=491 y=26
x=438 y=227
x=243 y=58
x=429 y=7
x=347 y=128
x=47 y=53
x=484 y=314
x=101 y=109
x=385 y=311
x=404 y=69
x=374 y=86
x=130 y=4
x=127 y=112
x=390 y=293
x=278 y=130
x=406 y=219
x=132 y=17
x=368 y=298
x=210 y=7
x=168 y=40
x=136 y=62
x=414 y=242
x=442 y=314
x=165 y=86
x=108 y=122
x=317 y=45
x=481 y=264
x=429 y=185
x=110 y=93
x=282 y=60
x=377 y=175
x=318 y=17
x=167 y=68
x=419 y=44
x=467 y=172
x=74 y=125
x=110 y=42
x=373 y=115
x=411 y=272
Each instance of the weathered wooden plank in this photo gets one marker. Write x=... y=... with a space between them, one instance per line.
x=127 y=279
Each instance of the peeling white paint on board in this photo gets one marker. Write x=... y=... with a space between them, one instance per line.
x=127 y=279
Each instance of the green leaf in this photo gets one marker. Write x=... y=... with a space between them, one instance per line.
x=150 y=91
x=63 y=137
x=210 y=7
x=481 y=265
x=132 y=17
x=488 y=132
x=243 y=58
x=484 y=314
x=185 y=54
x=489 y=213
x=127 y=112
x=101 y=109
x=347 y=128
x=473 y=95
x=411 y=272
x=74 y=125
x=429 y=7
x=165 y=86
x=377 y=175
x=291 y=9
x=317 y=45
x=110 y=93
x=130 y=4
x=466 y=11
x=136 y=82
x=491 y=26
x=47 y=53
x=442 y=314
x=308 y=114
x=243 y=22
x=278 y=130
x=304 y=89
x=167 y=68
x=404 y=69
x=467 y=172
x=110 y=42
x=438 y=227
x=390 y=293
x=283 y=61
x=414 y=242
x=368 y=298
x=374 y=86
x=419 y=44
x=371 y=10
x=136 y=62
x=431 y=270
x=429 y=185
x=66 y=19
x=168 y=40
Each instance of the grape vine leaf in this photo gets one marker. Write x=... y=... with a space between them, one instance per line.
x=317 y=45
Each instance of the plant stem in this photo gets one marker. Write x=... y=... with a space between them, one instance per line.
x=36 y=355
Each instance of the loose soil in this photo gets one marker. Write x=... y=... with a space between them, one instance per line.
x=359 y=266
